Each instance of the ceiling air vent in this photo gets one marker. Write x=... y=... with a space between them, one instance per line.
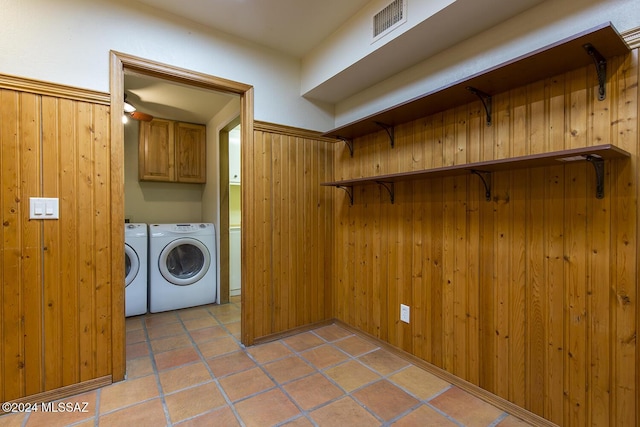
x=389 y=18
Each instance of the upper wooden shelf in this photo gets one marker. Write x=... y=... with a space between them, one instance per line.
x=562 y=56
x=595 y=155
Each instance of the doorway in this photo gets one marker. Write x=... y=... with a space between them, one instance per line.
x=230 y=210
x=120 y=64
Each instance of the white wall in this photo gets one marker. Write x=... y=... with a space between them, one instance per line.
x=211 y=195
x=537 y=27
x=68 y=42
x=346 y=50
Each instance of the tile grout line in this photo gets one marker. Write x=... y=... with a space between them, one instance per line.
x=498 y=420
x=213 y=376
x=303 y=413
x=322 y=372
x=386 y=377
x=96 y=421
x=147 y=342
x=156 y=374
x=278 y=385
x=425 y=402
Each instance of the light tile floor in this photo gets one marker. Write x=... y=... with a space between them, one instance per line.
x=188 y=368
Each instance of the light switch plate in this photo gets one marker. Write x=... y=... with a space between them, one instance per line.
x=43 y=208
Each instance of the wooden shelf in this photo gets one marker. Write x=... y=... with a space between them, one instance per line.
x=565 y=55
x=596 y=155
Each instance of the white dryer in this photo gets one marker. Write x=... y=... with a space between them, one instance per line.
x=135 y=267
x=182 y=266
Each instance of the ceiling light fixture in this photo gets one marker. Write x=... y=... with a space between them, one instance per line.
x=128 y=108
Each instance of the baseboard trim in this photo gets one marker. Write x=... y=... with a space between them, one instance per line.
x=294 y=331
x=472 y=389
x=66 y=391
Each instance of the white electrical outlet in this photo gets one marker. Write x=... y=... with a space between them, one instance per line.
x=404 y=313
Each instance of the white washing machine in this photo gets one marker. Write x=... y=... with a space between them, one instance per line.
x=135 y=266
x=182 y=266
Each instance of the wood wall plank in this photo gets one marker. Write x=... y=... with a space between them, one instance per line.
x=625 y=219
x=103 y=280
x=66 y=169
x=31 y=274
x=554 y=286
x=54 y=302
x=20 y=329
x=12 y=356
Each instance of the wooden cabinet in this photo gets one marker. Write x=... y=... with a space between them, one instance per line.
x=157 y=151
x=172 y=151
x=190 y=153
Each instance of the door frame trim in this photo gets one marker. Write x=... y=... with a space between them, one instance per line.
x=119 y=62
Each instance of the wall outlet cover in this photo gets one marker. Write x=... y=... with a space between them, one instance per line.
x=404 y=313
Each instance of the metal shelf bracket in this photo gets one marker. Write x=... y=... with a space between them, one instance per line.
x=601 y=69
x=485 y=99
x=390 y=189
x=349 y=190
x=485 y=177
x=348 y=143
x=390 y=132
x=598 y=165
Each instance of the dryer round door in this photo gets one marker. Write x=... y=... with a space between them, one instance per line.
x=184 y=261
x=131 y=264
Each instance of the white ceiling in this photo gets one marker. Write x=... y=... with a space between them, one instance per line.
x=296 y=27
x=290 y=26
x=270 y=23
x=169 y=100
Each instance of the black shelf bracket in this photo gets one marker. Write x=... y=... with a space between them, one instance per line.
x=348 y=143
x=485 y=99
x=598 y=165
x=349 y=190
x=485 y=177
x=390 y=189
x=601 y=69
x=390 y=132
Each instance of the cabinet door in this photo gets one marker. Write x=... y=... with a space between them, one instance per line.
x=156 y=151
x=190 y=153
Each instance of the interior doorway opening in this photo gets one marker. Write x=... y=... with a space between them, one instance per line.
x=230 y=210
x=122 y=65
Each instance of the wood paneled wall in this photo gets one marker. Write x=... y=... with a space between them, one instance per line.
x=56 y=275
x=532 y=295
x=286 y=230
